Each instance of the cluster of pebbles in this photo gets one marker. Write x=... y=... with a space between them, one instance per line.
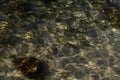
x=78 y=40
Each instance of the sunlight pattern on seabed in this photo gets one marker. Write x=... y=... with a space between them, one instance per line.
x=76 y=38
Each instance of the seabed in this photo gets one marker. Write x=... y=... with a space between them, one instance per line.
x=77 y=39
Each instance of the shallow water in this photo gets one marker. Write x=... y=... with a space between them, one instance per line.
x=80 y=40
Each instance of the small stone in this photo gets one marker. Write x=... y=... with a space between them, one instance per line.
x=96 y=77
